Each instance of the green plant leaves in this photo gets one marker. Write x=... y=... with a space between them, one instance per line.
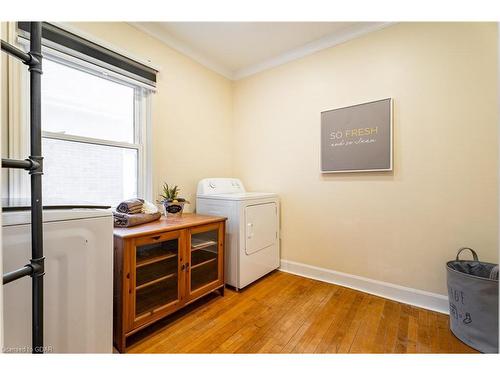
x=169 y=193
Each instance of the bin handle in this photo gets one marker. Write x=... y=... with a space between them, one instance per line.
x=474 y=255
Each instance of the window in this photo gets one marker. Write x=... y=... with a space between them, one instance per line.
x=92 y=139
x=96 y=105
x=81 y=104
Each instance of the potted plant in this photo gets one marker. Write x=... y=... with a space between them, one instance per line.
x=171 y=201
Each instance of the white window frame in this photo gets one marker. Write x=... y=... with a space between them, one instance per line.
x=142 y=123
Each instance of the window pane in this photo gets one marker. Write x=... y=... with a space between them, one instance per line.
x=79 y=103
x=86 y=173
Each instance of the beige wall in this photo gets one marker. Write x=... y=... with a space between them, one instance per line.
x=398 y=227
x=191 y=111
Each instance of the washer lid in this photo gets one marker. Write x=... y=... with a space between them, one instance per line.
x=238 y=196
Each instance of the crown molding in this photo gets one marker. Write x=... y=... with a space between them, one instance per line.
x=156 y=32
x=291 y=55
x=325 y=42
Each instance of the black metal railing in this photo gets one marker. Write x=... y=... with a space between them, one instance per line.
x=33 y=164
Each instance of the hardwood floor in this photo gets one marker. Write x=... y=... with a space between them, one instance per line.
x=284 y=313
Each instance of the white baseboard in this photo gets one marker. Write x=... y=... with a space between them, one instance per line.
x=410 y=296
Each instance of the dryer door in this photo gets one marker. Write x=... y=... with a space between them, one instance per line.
x=260 y=227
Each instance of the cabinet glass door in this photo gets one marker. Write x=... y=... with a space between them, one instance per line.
x=156 y=276
x=206 y=258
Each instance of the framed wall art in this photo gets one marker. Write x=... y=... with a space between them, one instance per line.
x=357 y=138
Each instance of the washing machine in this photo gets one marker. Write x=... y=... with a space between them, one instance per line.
x=78 y=281
x=252 y=228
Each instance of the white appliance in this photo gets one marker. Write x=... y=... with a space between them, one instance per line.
x=252 y=228
x=78 y=281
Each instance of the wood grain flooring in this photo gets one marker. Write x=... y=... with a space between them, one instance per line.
x=284 y=313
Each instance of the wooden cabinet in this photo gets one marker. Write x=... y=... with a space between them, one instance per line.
x=156 y=276
x=162 y=266
x=205 y=259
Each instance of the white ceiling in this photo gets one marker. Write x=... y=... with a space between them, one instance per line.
x=240 y=49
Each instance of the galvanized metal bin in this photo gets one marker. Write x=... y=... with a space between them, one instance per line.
x=473 y=297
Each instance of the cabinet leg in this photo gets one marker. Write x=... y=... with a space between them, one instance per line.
x=120 y=346
x=221 y=290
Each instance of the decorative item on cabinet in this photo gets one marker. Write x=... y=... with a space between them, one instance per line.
x=171 y=202
x=162 y=266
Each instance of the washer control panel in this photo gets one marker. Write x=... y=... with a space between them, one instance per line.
x=212 y=186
